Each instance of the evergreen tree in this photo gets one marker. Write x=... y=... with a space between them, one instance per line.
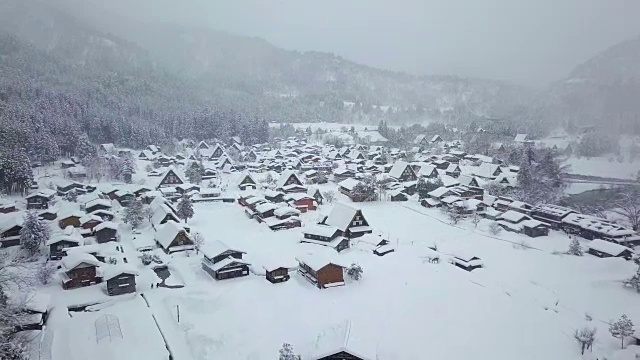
x=134 y=213
x=34 y=233
x=128 y=168
x=355 y=271
x=634 y=281
x=621 y=329
x=575 y=248
x=185 y=208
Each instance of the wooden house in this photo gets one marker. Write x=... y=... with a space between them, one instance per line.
x=173 y=237
x=290 y=182
x=247 y=182
x=276 y=273
x=265 y=210
x=402 y=171
x=607 y=249
x=349 y=188
x=105 y=215
x=72 y=219
x=273 y=196
x=57 y=244
x=78 y=270
x=398 y=195
x=88 y=222
x=6 y=208
x=105 y=232
x=286 y=212
x=48 y=214
x=453 y=170
x=170 y=178
x=321 y=272
x=316 y=194
x=349 y=220
x=222 y=262
x=120 y=279
x=344 y=342
x=10 y=227
x=97 y=204
x=428 y=171
x=343 y=174
x=466 y=261
x=301 y=201
x=39 y=200
x=324 y=235
x=551 y=214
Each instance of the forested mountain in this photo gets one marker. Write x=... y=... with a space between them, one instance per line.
x=603 y=91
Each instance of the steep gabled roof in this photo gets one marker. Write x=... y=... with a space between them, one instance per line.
x=341 y=216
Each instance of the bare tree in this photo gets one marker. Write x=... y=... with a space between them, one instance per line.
x=495 y=228
x=585 y=337
x=628 y=205
x=198 y=241
x=330 y=196
x=476 y=219
x=45 y=272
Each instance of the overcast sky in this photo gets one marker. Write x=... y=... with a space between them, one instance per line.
x=527 y=41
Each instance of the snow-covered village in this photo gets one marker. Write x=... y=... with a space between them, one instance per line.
x=216 y=197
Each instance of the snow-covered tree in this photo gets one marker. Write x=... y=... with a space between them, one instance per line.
x=575 y=248
x=634 y=281
x=455 y=213
x=72 y=196
x=585 y=337
x=355 y=271
x=185 y=208
x=45 y=272
x=495 y=229
x=134 y=213
x=128 y=168
x=194 y=172
x=621 y=329
x=329 y=196
x=198 y=241
x=628 y=205
x=34 y=233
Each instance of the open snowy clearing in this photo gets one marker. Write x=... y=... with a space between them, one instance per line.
x=404 y=307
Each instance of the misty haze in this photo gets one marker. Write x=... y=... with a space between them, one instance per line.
x=337 y=180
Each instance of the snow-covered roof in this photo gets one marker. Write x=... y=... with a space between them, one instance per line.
x=345 y=338
x=105 y=225
x=298 y=196
x=398 y=168
x=85 y=219
x=341 y=215
x=439 y=192
x=7 y=221
x=286 y=210
x=315 y=261
x=267 y=206
x=77 y=239
x=513 y=216
x=520 y=138
x=213 y=248
x=166 y=233
x=607 y=247
x=76 y=258
x=103 y=202
x=349 y=183
x=449 y=181
x=320 y=230
x=111 y=271
x=285 y=176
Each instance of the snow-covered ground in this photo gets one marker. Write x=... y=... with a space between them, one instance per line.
x=525 y=304
x=404 y=307
x=603 y=167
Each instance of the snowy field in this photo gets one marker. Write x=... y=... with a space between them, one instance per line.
x=404 y=307
x=524 y=304
x=603 y=167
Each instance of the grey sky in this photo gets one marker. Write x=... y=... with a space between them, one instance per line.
x=532 y=41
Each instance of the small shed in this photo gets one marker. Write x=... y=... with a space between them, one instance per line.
x=466 y=261
x=106 y=231
x=120 y=279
